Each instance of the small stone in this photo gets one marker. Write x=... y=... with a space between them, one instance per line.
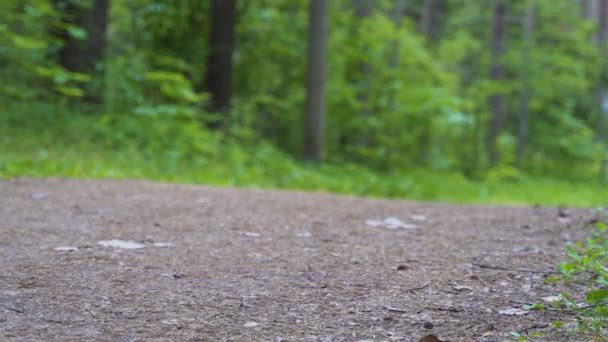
x=428 y=325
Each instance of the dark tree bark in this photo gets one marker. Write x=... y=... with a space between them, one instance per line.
x=497 y=101
x=430 y=20
x=603 y=22
x=363 y=10
x=397 y=15
x=82 y=55
x=315 y=90
x=218 y=80
x=524 y=99
x=602 y=87
x=586 y=9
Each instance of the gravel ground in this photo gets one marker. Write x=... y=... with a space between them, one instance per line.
x=220 y=264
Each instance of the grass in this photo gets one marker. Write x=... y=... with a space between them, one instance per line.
x=39 y=140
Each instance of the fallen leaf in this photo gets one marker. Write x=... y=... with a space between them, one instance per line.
x=66 y=249
x=513 y=312
x=251 y=324
x=390 y=223
x=121 y=244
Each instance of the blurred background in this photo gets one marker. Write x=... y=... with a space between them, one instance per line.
x=452 y=100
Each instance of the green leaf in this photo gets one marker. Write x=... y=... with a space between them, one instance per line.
x=535 y=306
x=573 y=254
x=77 y=32
x=70 y=91
x=597 y=296
x=566 y=268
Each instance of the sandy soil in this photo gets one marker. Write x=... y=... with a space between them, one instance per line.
x=251 y=265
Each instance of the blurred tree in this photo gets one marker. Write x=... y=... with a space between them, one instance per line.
x=83 y=33
x=430 y=20
x=586 y=8
x=315 y=89
x=603 y=21
x=218 y=80
x=363 y=10
x=524 y=100
x=398 y=12
x=497 y=99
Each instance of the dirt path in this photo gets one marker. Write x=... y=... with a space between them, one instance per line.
x=253 y=265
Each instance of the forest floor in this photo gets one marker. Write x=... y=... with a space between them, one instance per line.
x=215 y=264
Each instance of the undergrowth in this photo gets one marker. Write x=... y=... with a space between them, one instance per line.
x=587 y=265
x=39 y=140
x=586 y=271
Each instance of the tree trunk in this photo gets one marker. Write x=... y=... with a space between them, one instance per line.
x=363 y=10
x=84 y=54
x=497 y=73
x=603 y=22
x=218 y=79
x=98 y=29
x=315 y=90
x=524 y=99
x=602 y=87
x=397 y=14
x=586 y=9
x=430 y=19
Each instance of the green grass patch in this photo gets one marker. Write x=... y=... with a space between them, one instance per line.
x=39 y=140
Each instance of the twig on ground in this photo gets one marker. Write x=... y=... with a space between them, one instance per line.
x=491 y=267
x=418 y=287
x=535 y=326
x=19 y=311
x=394 y=309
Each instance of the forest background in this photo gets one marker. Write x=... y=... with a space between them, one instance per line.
x=453 y=100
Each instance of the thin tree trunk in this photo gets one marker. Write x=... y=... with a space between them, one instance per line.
x=524 y=97
x=363 y=10
x=81 y=55
x=218 y=80
x=429 y=21
x=397 y=15
x=84 y=54
x=97 y=30
x=602 y=87
x=603 y=22
x=497 y=73
x=586 y=9
x=315 y=90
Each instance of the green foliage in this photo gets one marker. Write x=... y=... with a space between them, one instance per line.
x=396 y=101
x=39 y=141
x=586 y=265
